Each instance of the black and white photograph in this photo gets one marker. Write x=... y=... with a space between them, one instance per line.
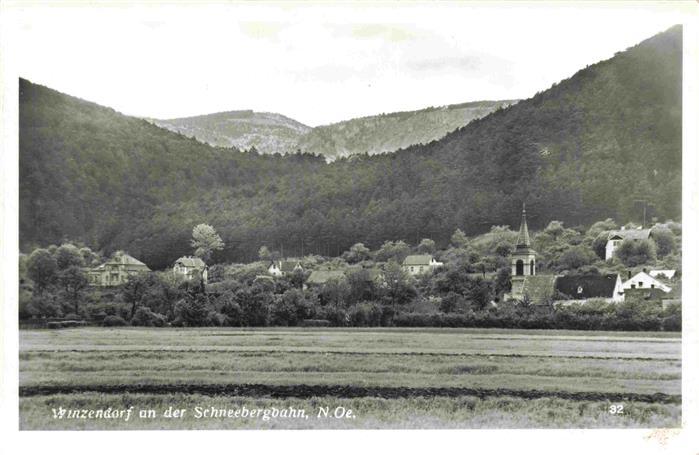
x=349 y=216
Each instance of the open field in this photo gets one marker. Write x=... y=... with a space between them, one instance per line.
x=455 y=378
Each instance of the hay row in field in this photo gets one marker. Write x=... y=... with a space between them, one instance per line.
x=340 y=391
x=255 y=353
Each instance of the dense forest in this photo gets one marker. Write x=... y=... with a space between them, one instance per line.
x=604 y=143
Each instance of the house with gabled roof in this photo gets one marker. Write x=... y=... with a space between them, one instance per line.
x=283 y=268
x=643 y=280
x=116 y=271
x=416 y=264
x=578 y=288
x=614 y=239
x=190 y=267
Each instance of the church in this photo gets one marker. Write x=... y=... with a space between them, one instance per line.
x=539 y=289
x=525 y=281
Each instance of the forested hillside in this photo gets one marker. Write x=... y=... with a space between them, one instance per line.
x=275 y=133
x=586 y=149
x=264 y=131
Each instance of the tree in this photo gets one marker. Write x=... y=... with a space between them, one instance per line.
x=599 y=244
x=290 y=308
x=335 y=291
x=480 y=292
x=193 y=310
x=503 y=249
x=264 y=254
x=636 y=252
x=41 y=268
x=73 y=281
x=426 y=246
x=576 y=257
x=601 y=226
x=362 y=286
x=68 y=255
x=664 y=240
x=554 y=229
x=459 y=239
x=357 y=253
x=135 y=289
x=205 y=241
x=399 y=289
x=393 y=250
x=503 y=280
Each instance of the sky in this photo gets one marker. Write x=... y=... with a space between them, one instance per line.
x=318 y=63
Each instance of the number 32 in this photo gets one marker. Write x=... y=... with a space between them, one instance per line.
x=616 y=409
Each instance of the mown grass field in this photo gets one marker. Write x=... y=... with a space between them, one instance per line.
x=419 y=378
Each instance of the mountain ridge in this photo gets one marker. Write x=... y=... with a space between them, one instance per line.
x=372 y=134
x=581 y=151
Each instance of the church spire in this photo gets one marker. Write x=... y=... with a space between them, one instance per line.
x=523 y=237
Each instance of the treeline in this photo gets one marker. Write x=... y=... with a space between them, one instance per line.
x=374 y=290
x=604 y=143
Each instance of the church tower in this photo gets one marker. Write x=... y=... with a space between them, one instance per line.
x=524 y=257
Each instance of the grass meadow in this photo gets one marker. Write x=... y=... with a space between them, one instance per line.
x=388 y=378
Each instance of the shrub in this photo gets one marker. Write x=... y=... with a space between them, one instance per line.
x=192 y=311
x=231 y=310
x=216 y=319
x=366 y=314
x=113 y=321
x=144 y=317
x=336 y=316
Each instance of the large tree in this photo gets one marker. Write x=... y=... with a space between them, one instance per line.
x=41 y=268
x=205 y=241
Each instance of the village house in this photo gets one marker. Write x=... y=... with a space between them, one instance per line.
x=420 y=263
x=283 y=268
x=643 y=280
x=189 y=267
x=116 y=271
x=615 y=238
x=579 y=288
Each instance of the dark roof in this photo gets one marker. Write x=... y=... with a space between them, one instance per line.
x=631 y=234
x=539 y=288
x=590 y=286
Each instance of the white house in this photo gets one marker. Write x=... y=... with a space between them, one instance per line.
x=281 y=268
x=642 y=280
x=420 y=263
x=189 y=267
x=615 y=238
